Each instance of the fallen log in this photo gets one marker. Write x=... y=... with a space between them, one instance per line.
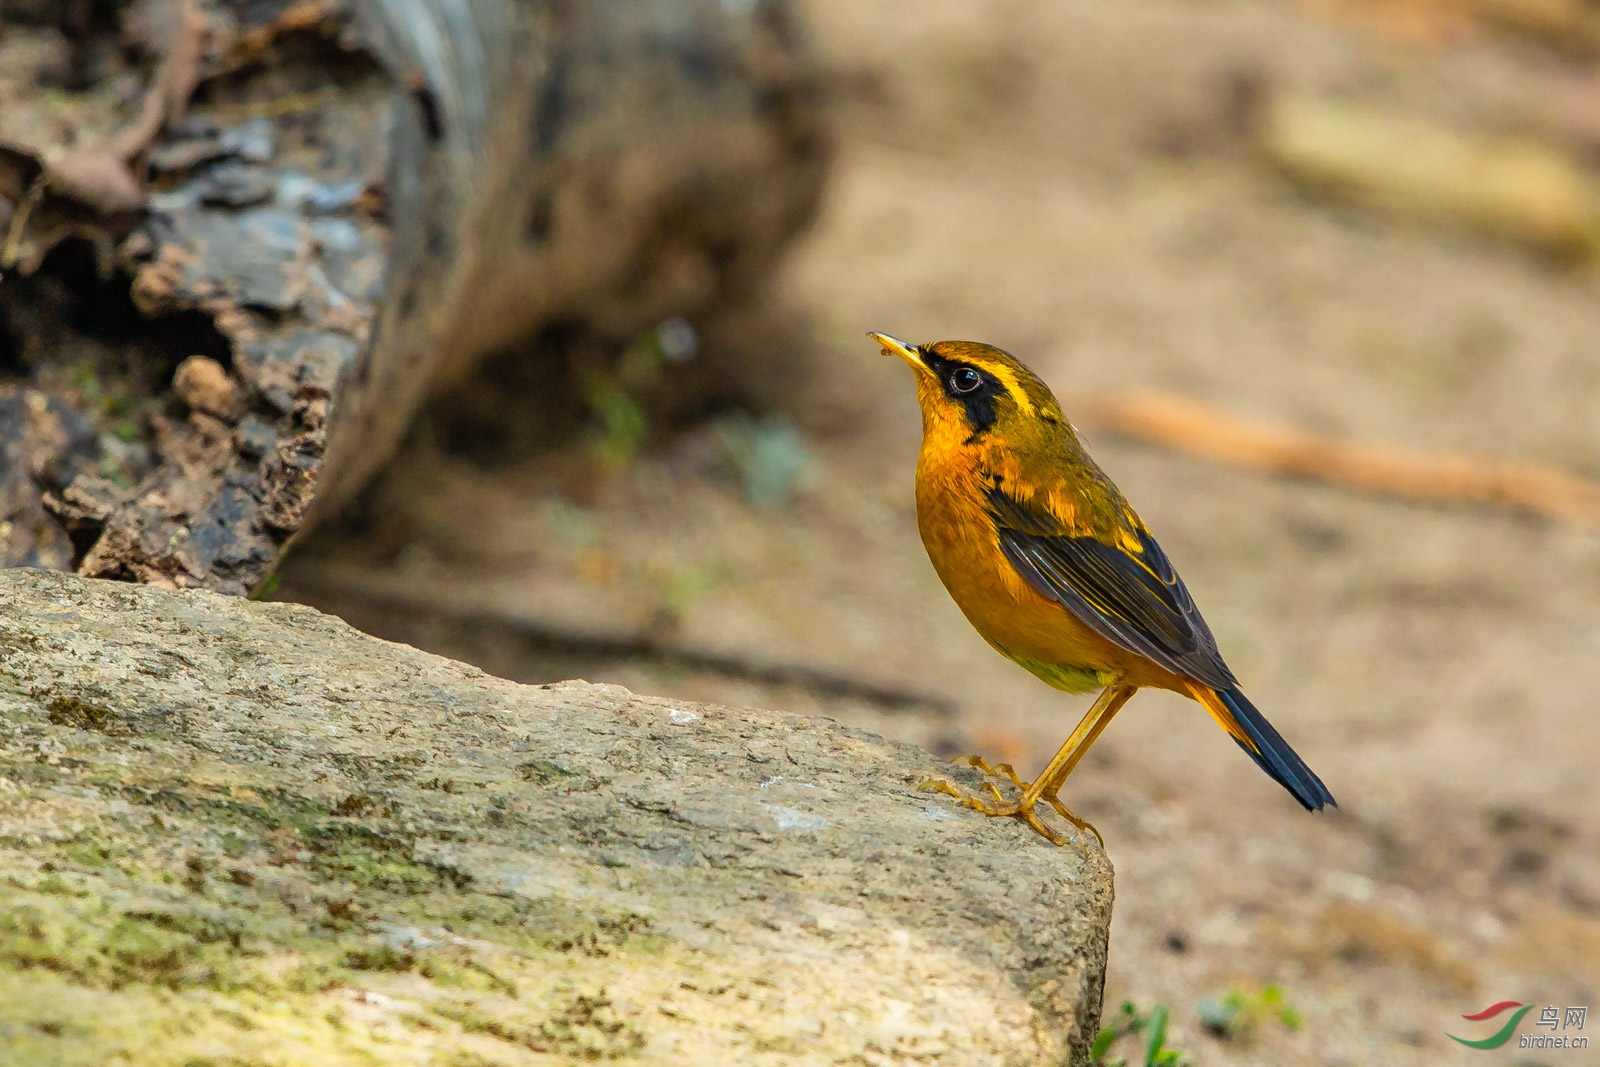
x=327 y=212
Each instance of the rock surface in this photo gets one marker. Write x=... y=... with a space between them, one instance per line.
x=239 y=832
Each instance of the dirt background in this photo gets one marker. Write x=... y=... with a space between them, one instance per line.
x=1079 y=182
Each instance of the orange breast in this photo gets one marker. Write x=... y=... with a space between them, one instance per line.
x=1036 y=632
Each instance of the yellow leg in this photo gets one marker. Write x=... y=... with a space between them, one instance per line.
x=1048 y=784
x=1054 y=782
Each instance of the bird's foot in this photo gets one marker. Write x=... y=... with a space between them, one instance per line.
x=1000 y=808
x=1021 y=808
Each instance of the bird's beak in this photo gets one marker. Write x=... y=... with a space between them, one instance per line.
x=893 y=346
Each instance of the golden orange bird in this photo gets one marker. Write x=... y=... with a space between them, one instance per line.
x=1055 y=569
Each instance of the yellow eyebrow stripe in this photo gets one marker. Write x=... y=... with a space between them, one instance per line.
x=1012 y=385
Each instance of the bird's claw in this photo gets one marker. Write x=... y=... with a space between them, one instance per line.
x=1082 y=824
x=999 y=770
x=1007 y=771
x=1014 y=809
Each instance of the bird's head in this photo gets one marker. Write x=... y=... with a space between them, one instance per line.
x=972 y=393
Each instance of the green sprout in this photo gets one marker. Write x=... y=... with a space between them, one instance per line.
x=267 y=588
x=1132 y=1022
x=1240 y=1015
x=622 y=428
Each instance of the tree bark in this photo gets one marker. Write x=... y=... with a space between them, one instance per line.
x=338 y=239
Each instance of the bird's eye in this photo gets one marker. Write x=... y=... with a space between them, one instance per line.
x=964 y=380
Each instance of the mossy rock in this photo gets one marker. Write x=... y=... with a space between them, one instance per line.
x=243 y=833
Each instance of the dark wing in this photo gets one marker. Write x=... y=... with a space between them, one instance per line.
x=1135 y=601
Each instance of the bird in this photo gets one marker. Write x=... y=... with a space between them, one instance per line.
x=1054 y=569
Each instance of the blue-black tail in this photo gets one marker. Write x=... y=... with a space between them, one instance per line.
x=1265 y=745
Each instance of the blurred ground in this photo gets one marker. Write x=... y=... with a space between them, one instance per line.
x=1077 y=182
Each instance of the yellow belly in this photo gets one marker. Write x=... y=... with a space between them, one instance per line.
x=1036 y=633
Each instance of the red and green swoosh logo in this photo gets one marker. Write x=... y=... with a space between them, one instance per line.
x=1504 y=1034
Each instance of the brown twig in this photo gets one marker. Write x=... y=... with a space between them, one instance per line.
x=1188 y=427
